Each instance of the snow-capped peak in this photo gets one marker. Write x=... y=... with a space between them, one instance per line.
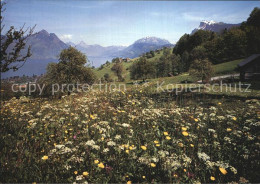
x=209 y=22
x=213 y=26
x=154 y=40
x=205 y=23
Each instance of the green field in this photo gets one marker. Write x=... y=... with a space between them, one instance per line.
x=227 y=67
x=219 y=69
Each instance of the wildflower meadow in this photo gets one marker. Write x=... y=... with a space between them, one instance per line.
x=129 y=137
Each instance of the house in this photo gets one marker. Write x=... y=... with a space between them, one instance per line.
x=250 y=68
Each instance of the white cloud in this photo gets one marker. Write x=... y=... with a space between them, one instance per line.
x=66 y=37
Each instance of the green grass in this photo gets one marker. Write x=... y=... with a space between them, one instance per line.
x=227 y=67
x=107 y=69
x=126 y=75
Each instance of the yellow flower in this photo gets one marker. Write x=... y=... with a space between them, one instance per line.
x=66 y=131
x=45 y=157
x=130 y=147
x=96 y=161
x=196 y=120
x=184 y=170
x=143 y=177
x=153 y=165
x=157 y=145
x=93 y=116
x=129 y=182
x=127 y=151
x=223 y=171
x=165 y=133
x=192 y=145
x=168 y=137
x=102 y=138
x=143 y=147
x=85 y=173
x=212 y=178
x=229 y=129
x=234 y=118
x=101 y=165
x=185 y=133
x=52 y=136
x=184 y=128
x=156 y=142
x=180 y=144
x=175 y=176
x=76 y=172
x=219 y=103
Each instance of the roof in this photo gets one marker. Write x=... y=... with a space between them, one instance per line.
x=248 y=60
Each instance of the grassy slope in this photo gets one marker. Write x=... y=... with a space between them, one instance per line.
x=227 y=67
x=107 y=68
x=220 y=69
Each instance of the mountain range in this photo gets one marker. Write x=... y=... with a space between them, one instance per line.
x=46 y=47
x=214 y=26
x=99 y=54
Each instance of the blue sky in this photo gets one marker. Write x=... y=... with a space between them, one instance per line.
x=121 y=22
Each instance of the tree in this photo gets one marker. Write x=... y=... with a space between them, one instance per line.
x=107 y=62
x=182 y=44
x=70 y=69
x=189 y=42
x=215 y=49
x=152 y=53
x=118 y=69
x=199 y=53
x=107 y=77
x=164 y=67
x=177 y=67
x=252 y=29
x=254 y=18
x=202 y=69
x=185 y=61
x=142 y=69
x=115 y=60
x=235 y=43
x=13 y=46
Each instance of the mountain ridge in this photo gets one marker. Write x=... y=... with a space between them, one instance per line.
x=214 y=26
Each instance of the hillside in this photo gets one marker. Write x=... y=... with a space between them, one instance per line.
x=107 y=68
x=220 y=69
